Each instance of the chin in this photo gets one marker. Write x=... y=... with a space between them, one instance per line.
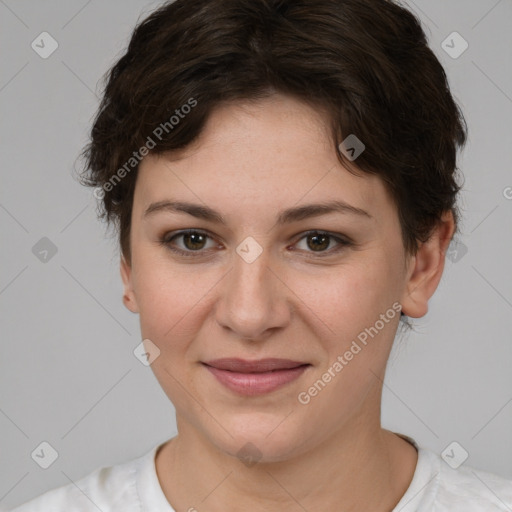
x=263 y=441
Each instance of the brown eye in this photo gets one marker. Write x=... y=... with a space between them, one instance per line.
x=194 y=241
x=318 y=242
x=188 y=243
x=323 y=244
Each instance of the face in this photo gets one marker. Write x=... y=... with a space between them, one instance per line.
x=264 y=274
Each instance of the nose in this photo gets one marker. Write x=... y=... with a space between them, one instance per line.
x=253 y=301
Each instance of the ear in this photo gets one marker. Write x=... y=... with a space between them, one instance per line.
x=426 y=268
x=129 y=299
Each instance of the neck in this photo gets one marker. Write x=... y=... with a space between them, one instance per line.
x=357 y=468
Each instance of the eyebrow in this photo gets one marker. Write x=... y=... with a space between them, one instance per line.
x=285 y=216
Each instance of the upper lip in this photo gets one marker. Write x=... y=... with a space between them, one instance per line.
x=255 y=366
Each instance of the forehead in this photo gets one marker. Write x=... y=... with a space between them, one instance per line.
x=276 y=151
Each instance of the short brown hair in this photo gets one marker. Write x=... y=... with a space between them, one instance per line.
x=364 y=62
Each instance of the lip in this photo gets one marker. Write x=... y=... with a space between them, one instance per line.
x=255 y=377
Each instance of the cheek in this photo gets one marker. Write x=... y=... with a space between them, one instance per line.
x=349 y=298
x=340 y=302
x=355 y=341
x=168 y=296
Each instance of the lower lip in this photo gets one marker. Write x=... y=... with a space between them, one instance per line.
x=256 y=383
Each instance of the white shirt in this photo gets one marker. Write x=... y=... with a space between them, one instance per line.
x=134 y=487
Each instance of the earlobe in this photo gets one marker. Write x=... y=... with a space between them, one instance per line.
x=426 y=268
x=129 y=299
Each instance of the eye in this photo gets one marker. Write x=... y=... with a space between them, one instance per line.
x=193 y=241
x=322 y=242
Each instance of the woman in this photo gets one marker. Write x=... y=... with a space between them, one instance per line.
x=283 y=177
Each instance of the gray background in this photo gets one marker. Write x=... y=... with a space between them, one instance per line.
x=68 y=375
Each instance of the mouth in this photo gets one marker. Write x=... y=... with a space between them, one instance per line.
x=257 y=377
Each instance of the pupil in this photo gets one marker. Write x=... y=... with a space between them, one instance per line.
x=196 y=239
x=324 y=242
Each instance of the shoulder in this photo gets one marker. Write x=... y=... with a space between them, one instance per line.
x=436 y=486
x=465 y=489
x=105 y=489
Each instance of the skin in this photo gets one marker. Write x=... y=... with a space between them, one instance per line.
x=251 y=161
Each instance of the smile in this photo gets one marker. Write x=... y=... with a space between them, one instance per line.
x=252 y=378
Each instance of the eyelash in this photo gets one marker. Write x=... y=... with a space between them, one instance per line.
x=167 y=239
